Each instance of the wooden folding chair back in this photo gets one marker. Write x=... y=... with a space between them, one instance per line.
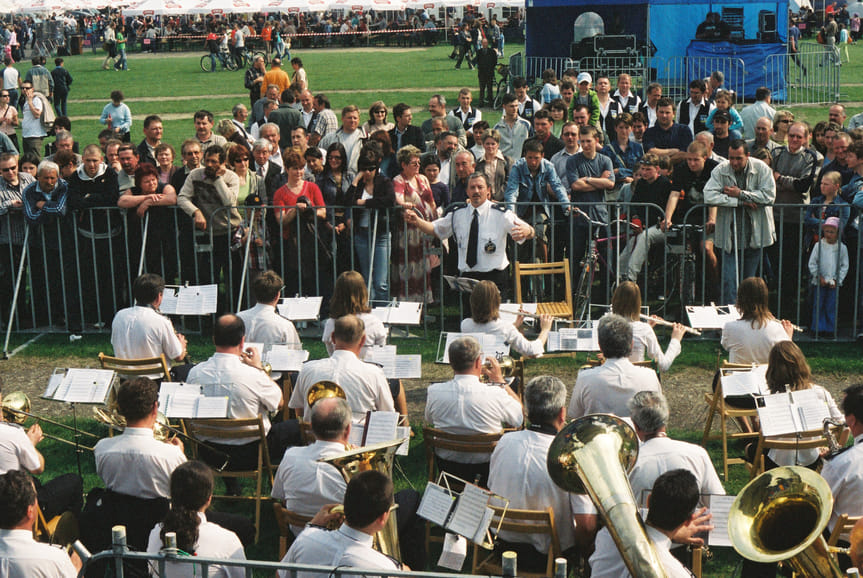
x=62 y=529
x=285 y=518
x=718 y=409
x=843 y=526
x=808 y=441
x=562 y=309
x=144 y=366
x=471 y=443
x=220 y=431
x=527 y=522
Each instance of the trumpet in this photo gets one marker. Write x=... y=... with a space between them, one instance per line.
x=16 y=410
x=507 y=366
x=660 y=321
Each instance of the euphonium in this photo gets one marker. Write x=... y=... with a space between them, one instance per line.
x=779 y=516
x=324 y=389
x=592 y=455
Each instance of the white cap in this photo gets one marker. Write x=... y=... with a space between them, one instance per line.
x=584 y=77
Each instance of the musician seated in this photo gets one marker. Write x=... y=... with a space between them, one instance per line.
x=191 y=494
x=750 y=338
x=520 y=474
x=466 y=406
x=305 y=484
x=237 y=371
x=141 y=331
x=485 y=318
x=368 y=499
x=18 y=452
x=626 y=301
x=671 y=516
x=263 y=322
x=609 y=387
x=20 y=554
x=364 y=384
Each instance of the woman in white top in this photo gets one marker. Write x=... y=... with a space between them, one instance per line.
x=750 y=339
x=485 y=308
x=191 y=494
x=351 y=297
x=626 y=302
x=787 y=370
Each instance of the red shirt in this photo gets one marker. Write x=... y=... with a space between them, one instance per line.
x=284 y=197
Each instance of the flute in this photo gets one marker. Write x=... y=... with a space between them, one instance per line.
x=530 y=315
x=660 y=321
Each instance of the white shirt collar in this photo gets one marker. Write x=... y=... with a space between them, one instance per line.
x=356 y=535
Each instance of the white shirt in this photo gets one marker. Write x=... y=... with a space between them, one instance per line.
x=31 y=126
x=141 y=331
x=365 y=385
x=644 y=342
x=214 y=541
x=750 y=115
x=252 y=392
x=343 y=547
x=608 y=388
x=510 y=333
x=265 y=325
x=495 y=223
x=844 y=474
x=10 y=80
x=21 y=555
x=519 y=473
x=746 y=344
x=136 y=464
x=16 y=450
x=607 y=562
x=305 y=484
x=663 y=454
x=376 y=333
x=465 y=406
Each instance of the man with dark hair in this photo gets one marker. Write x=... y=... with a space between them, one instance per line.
x=141 y=331
x=263 y=322
x=351 y=135
x=237 y=371
x=286 y=117
x=152 y=138
x=589 y=174
x=527 y=106
x=759 y=109
x=20 y=554
x=12 y=226
x=486 y=61
x=325 y=120
x=445 y=147
x=464 y=405
x=542 y=125
x=653 y=93
x=844 y=472
x=364 y=384
x=609 y=387
x=671 y=515
x=404 y=133
x=667 y=137
x=520 y=474
x=127 y=155
x=204 y=130
x=694 y=111
x=513 y=128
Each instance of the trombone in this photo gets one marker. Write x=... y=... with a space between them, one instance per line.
x=16 y=410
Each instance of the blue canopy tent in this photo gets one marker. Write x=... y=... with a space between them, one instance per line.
x=667 y=25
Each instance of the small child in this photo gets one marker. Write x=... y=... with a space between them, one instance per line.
x=725 y=101
x=828 y=265
x=440 y=191
x=550 y=90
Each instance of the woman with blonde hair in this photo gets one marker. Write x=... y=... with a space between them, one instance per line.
x=749 y=339
x=485 y=311
x=626 y=302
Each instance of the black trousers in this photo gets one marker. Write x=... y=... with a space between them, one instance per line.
x=63 y=493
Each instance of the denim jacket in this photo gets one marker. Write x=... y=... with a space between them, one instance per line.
x=521 y=185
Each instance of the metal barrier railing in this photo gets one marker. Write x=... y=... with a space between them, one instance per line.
x=516 y=66
x=810 y=76
x=637 y=66
x=80 y=269
x=535 y=65
x=679 y=71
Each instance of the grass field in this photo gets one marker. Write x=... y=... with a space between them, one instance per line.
x=174 y=86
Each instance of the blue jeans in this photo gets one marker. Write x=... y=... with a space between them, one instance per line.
x=751 y=260
x=121 y=64
x=380 y=289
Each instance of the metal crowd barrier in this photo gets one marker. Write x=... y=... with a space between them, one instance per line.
x=637 y=66
x=535 y=65
x=516 y=66
x=810 y=76
x=74 y=280
x=679 y=71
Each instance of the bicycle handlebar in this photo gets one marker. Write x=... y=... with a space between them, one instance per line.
x=584 y=215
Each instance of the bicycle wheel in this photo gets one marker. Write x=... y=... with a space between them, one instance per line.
x=581 y=299
x=231 y=62
x=206 y=63
x=500 y=90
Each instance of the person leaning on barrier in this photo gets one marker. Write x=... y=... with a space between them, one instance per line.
x=609 y=387
x=12 y=227
x=20 y=554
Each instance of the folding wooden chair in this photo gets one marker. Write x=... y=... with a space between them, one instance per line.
x=145 y=366
x=285 y=518
x=843 y=526
x=527 y=522
x=562 y=309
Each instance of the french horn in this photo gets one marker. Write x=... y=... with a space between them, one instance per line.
x=322 y=390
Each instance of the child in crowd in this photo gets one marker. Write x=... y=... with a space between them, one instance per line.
x=725 y=101
x=440 y=191
x=550 y=90
x=828 y=266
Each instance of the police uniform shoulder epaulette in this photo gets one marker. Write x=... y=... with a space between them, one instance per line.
x=454 y=207
x=499 y=207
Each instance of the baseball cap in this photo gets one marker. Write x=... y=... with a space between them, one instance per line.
x=721 y=115
x=584 y=77
x=832 y=222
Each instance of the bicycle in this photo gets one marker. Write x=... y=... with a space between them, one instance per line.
x=246 y=58
x=678 y=273
x=226 y=59
x=502 y=86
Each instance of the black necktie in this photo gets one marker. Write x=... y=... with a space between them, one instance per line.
x=473 y=241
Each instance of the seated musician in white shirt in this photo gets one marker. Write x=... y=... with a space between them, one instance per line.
x=263 y=322
x=20 y=554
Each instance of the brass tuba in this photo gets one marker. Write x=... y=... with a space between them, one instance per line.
x=377 y=457
x=592 y=455
x=322 y=390
x=779 y=516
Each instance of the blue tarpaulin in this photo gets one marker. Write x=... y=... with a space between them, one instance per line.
x=754 y=57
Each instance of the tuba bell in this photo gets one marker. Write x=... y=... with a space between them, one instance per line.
x=322 y=390
x=592 y=455
x=779 y=516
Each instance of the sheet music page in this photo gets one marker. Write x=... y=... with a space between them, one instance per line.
x=300 y=308
x=452 y=336
x=705 y=317
x=401 y=313
x=53 y=383
x=384 y=355
x=777 y=415
x=586 y=339
x=403 y=432
x=494 y=345
x=747 y=382
x=259 y=346
x=480 y=536
x=182 y=404
x=169 y=301
x=408 y=366
x=568 y=339
x=553 y=341
x=719 y=506
x=355 y=438
x=454 y=552
x=284 y=358
x=470 y=509
x=381 y=427
x=213 y=407
x=197 y=299
x=435 y=504
x=166 y=390
x=85 y=385
x=812 y=409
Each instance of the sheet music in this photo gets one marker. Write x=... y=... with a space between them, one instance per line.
x=462 y=284
x=301 y=308
x=182 y=405
x=213 y=407
x=777 y=415
x=380 y=427
x=384 y=355
x=454 y=552
x=492 y=345
x=719 y=506
x=573 y=339
x=408 y=367
x=400 y=313
x=711 y=316
x=285 y=358
x=436 y=504
x=403 y=432
x=480 y=536
x=812 y=409
x=470 y=510
x=746 y=382
x=509 y=311
x=169 y=388
x=168 y=306
x=85 y=386
x=54 y=382
x=197 y=300
x=355 y=438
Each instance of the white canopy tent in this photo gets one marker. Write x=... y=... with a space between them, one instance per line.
x=225 y=6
